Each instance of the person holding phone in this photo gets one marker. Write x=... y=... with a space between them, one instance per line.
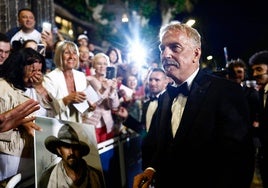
x=102 y=117
x=29 y=31
x=47 y=38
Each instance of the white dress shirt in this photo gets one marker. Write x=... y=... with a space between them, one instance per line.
x=178 y=106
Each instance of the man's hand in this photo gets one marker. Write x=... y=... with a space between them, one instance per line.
x=30 y=127
x=47 y=39
x=143 y=180
x=18 y=116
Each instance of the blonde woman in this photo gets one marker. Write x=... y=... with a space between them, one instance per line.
x=66 y=83
x=102 y=117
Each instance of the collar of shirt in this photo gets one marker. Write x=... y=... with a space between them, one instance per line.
x=190 y=79
x=266 y=88
x=160 y=93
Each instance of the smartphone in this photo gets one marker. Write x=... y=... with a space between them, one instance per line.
x=41 y=49
x=55 y=30
x=110 y=72
x=46 y=27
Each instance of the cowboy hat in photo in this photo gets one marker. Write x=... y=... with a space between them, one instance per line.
x=66 y=136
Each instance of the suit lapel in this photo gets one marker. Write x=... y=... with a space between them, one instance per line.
x=194 y=103
x=163 y=115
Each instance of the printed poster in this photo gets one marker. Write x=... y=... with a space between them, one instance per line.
x=45 y=159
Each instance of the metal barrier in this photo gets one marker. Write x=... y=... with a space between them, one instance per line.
x=121 y=160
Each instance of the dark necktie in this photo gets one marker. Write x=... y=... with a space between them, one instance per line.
x=153 y=98
x=182 y=89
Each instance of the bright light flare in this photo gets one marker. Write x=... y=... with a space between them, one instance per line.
x=137 y=53
x=124 y=18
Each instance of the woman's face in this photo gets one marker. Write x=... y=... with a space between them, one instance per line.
x=132 y=82
x=113 y=56
x=100 y=66
x=32 y=73
x=70 y=58
x=83 y=54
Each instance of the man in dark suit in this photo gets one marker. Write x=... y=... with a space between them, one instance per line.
x=157 y=84
x=203 y=132
x=237 y=72
x=259 y=65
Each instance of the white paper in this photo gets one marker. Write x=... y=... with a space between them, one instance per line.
x=92 y=95
x=81 y=107
x=129 y=92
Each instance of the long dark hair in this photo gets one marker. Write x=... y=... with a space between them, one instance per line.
x=116 y=52
x=12 y=70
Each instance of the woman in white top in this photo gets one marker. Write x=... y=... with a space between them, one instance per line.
x=102 y=117
x=66 y=83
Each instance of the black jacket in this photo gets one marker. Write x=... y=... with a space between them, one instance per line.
x=213 y=145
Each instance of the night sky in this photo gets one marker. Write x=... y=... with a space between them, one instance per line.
x=240 y=26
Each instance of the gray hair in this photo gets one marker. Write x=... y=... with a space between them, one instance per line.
x=191 y=33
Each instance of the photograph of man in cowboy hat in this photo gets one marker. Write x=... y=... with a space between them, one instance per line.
x=72 y=170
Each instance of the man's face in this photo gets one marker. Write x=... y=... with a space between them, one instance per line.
x=26 y=19
x=180 y=58
x=4 y=51
x=83 y=42
x=239 y=74
x=260 y=74
x=157 y=82
x=70 y=155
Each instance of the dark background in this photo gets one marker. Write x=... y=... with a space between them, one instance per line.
x=241 y=26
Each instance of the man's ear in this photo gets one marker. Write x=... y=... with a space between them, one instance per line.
x=197 y=54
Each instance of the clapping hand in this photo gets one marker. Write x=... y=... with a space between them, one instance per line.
x=19 y=116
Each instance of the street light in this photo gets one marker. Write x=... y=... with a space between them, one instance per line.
x=124 y=18
x=210 y=57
